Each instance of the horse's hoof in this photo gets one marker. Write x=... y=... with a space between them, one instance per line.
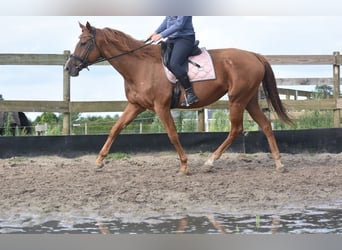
x=282 y=170
x=184 y=171
x=99 y=166
x=209 y=162
x=98 y=169
x=209 y=165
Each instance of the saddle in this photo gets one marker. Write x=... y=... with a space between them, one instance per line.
x=166 y=50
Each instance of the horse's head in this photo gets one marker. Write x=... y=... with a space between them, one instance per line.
x=86 y=51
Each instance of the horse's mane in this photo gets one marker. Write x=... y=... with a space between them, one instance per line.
x=126 y=42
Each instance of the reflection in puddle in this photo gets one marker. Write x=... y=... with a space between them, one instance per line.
x=309 y=221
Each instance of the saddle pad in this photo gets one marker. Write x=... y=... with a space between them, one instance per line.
x=206 y=70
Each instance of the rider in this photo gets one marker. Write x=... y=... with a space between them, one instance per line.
x=180 y=32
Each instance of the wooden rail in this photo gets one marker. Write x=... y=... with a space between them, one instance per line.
x=66 y=106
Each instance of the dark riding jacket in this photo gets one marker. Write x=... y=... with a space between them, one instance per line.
x=176 y=26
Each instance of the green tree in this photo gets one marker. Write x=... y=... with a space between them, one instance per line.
x=248 y=123
x=142 y=123
x=53 y=122
x=185 y=121
x=147 y=117
x=323 y=92
x=47 y=117
x=178 y=117
x=220 y=121
x=189 y=124
x=315 y=119
x=95 y=124
x=75 y=117
x=157 y=126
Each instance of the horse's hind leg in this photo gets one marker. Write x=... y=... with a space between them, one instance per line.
x=236 y=120
x=256 y=113
x=130 y=112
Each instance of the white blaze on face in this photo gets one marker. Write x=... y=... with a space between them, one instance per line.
x=66 y=64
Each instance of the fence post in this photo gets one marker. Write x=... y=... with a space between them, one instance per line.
x=66 y=98
x=336 y=80
x=201 y=121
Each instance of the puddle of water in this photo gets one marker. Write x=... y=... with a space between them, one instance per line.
x=318 y=221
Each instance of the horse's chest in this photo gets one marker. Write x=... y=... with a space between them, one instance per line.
x=137 y=92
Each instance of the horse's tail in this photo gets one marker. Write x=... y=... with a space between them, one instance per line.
x=269 y=85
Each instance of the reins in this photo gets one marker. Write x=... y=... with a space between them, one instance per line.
x=101 y=59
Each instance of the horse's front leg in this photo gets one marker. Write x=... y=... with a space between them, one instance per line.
x=129 y=114
x=170 y=127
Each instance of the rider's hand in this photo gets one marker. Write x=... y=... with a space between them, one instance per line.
x=155 y=37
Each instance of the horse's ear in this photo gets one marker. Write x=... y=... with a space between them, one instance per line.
x=81 y=25
x=89 y=26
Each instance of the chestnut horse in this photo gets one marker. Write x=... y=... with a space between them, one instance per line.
x=238 y=73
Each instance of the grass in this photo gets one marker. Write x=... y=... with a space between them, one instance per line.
x=205 y=154
x=118 y=156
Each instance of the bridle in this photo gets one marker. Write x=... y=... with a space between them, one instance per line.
x=84 y=59
x=91 y=42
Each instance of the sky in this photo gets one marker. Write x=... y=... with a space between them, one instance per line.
x=167 y=7
x=268 y=35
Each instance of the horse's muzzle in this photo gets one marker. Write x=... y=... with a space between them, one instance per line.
x=71 y=68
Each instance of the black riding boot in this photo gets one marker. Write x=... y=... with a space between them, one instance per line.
x=190 y=97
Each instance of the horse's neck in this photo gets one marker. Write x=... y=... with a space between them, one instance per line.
x=127 y=64
x=124 y=65
x=129 y=58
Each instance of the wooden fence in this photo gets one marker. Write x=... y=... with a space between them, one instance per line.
x=66 y=106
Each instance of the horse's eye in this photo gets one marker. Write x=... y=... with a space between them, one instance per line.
x=83 y=43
